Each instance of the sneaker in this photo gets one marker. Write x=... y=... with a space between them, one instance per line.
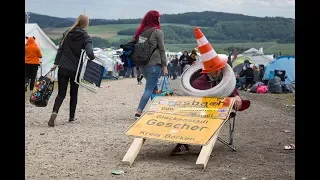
x=52 y=119
x=137 y=116
x=72 y=119
x=180 y=149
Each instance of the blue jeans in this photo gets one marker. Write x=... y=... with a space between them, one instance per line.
x=151 y=74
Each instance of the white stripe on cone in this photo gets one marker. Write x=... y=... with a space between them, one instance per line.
x=208 y=55
x=202 y=41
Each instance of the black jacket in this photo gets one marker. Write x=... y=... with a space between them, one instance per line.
x=69 y=52
x=248 y=73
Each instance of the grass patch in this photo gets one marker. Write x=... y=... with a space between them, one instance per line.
x=268 y=47
x=109 y=32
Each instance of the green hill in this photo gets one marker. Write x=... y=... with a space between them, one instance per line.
x=219 y=28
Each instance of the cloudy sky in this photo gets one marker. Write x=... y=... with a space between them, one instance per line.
x=114 y=9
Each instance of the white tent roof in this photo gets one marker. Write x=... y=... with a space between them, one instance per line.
x=30 y=30
x=48 y=48
x=251 y=50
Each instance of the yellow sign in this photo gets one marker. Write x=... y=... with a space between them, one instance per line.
x=202 y=107
x=176 y=128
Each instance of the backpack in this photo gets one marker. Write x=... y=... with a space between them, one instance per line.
x=141 y=52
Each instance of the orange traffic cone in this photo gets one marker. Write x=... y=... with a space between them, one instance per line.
x=210 y=59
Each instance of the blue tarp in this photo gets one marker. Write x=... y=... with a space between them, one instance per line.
x=286 y=63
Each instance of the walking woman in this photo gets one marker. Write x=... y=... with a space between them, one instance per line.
x=184 y=60
x=73 y=41
x=32 y=62
x=157 y=62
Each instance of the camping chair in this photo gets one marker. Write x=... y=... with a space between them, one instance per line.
x=229 y=142
x=89 y=73
x=232 y=120
x=281 y=74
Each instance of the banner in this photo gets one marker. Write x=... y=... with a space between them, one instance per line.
x=181 y=119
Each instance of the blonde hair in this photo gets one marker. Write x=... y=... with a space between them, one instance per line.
x=82 y=22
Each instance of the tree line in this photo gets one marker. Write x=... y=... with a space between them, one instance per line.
x=217 y=26
x=231 y=31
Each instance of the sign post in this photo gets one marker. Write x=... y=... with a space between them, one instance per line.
x=180 y=119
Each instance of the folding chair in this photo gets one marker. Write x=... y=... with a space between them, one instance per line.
x=232 y=120
x=89 y=73
x=229 y=142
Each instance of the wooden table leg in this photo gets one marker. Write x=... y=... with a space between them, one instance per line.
x=133 y=151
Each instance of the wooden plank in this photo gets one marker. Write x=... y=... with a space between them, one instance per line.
x=205 y=153
x=133 y=151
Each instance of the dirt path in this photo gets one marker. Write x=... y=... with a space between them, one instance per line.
x=95 y=146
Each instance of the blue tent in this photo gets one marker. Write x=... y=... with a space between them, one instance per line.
x=286 y=63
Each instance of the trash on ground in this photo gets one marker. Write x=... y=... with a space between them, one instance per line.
x=42 y=133
x=286 y=131
x=117 y=172
x=290 y=147
x=292 y=105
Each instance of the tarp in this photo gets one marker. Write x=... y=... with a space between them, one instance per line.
x=286 y=63
x=237 y=69
x=48 y=48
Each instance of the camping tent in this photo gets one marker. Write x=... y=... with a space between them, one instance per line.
x=238 y=68
x=286 y=63
x=48 y=48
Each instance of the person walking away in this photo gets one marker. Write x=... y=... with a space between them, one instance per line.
x=73 y=41
x=157 y=61
x=139 y=75
x=32 y=62
x=174 y=63
x=183 y=60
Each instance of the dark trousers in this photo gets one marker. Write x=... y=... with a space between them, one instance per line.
x=30 y=74
x=174 y=72
x=64 y=76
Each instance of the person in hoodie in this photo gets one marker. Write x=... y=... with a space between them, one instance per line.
x=32 y=62
x=184 y=60
x=73 y=41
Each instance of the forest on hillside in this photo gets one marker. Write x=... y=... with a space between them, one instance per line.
x=217 y=26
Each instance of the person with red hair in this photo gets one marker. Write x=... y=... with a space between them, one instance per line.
x=150 y=27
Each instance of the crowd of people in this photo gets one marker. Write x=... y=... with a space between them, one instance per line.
x=76 y=38
x=249 y=75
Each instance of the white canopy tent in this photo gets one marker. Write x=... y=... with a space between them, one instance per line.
x=48 y=48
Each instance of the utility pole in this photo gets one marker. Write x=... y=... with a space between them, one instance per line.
x=27 y=16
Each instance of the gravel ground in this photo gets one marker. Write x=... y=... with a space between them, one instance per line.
x=91 y=148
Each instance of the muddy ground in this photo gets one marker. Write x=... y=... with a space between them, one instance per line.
x=91 y=148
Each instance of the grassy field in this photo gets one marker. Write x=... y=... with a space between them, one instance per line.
x=109 y=32
x=268 y=47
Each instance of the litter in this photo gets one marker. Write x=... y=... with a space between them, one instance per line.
x=290 y=147
x=117 y=172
